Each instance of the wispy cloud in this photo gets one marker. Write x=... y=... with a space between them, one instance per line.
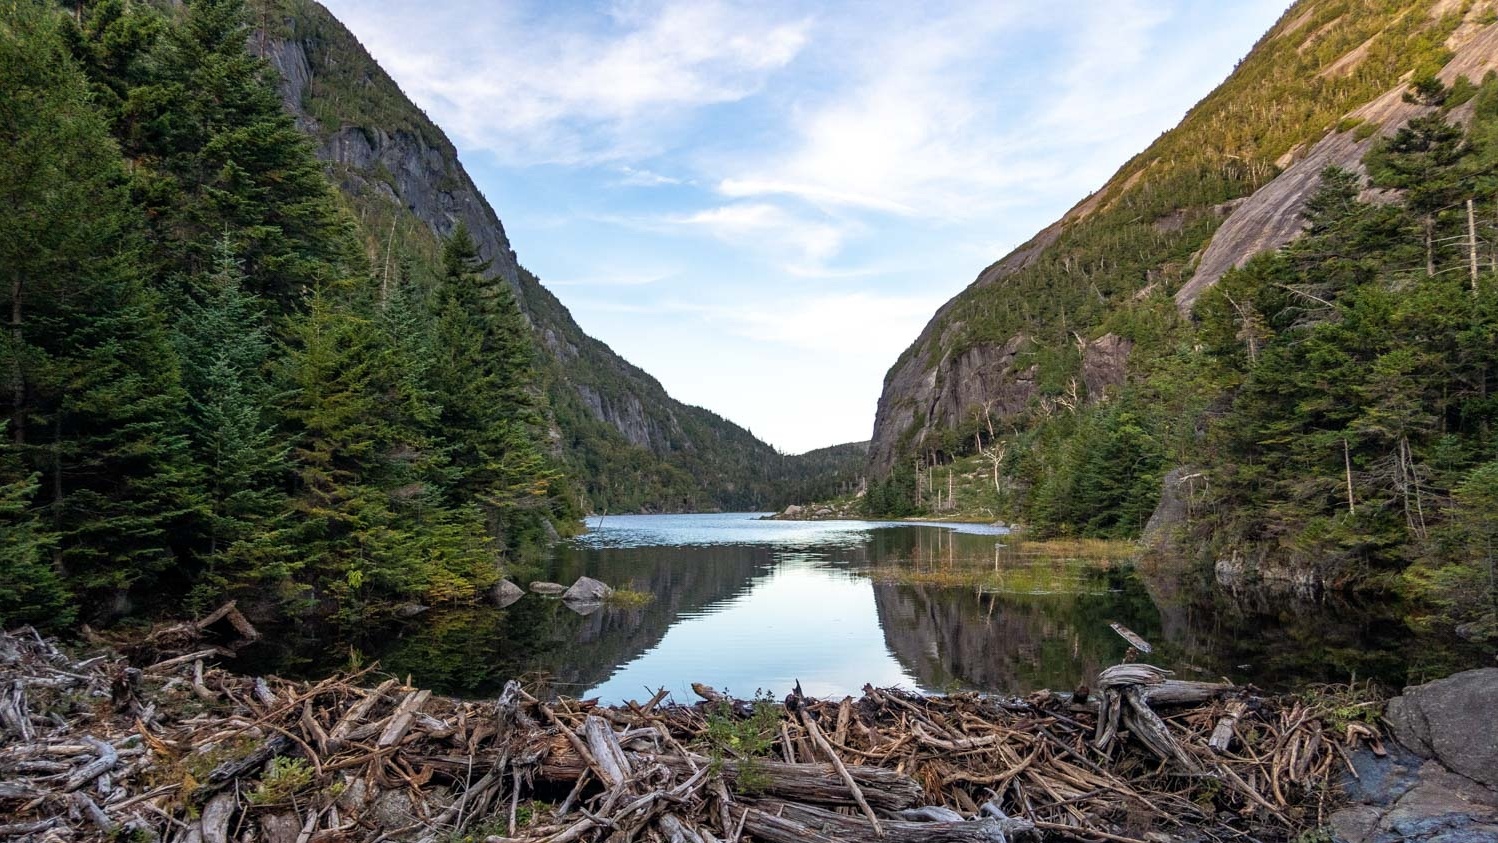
x=762 y=225
x=638 y=177
x=639 y=279
x=810 y=176
x=578 y=85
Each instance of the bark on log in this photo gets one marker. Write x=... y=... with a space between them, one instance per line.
x=1222 y=735
x=884 y=789
x=785 y=822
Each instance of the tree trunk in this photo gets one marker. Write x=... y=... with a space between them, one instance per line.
x=1430 y=247
x=17 y=377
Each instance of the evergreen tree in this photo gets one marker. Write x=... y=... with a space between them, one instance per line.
x=225 y=348
x=222 y=155
x=491 y=408
x=94 y=399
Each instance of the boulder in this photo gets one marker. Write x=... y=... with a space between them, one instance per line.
x=1440 y=807
x=587 y=590
x=793 y=511
x=410 y=610
x=550 y=588
x=1451 y=721
x=505 y=593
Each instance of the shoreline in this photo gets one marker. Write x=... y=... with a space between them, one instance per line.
x=166 y=747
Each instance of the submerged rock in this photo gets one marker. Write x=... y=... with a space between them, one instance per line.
x=587 y=590
x=504 y=593
x=549 y=588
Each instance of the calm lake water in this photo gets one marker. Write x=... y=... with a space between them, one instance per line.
x=747 y=605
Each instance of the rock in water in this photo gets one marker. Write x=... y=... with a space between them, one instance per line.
x=505 y=593
x=587 y=590
x=1452 y=721
x=547 y=588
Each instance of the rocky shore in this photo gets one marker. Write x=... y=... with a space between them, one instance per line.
x=151 y=742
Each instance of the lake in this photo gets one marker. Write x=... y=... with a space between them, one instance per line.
x=748 y=606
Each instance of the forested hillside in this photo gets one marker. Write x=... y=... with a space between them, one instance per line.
x=211 y=389
x=1323 y=413
x=228 y=378
x=629 y=444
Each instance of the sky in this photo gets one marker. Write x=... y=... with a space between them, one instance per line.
x=763 y=203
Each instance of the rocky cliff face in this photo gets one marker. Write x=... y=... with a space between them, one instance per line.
x=956 y=369
x=403 y=178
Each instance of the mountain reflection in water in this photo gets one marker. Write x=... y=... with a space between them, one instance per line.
x=747 y=605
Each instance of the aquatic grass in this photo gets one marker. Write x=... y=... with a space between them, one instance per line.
x=1109 y=549
x=628 y=598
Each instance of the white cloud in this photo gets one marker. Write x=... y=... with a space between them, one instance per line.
x=584 y=88
x=857 y=324
x=627 y=279
x=771 y=229
x=637 y=177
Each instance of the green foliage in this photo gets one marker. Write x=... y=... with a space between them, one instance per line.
x=209 y=392
x=283 y=779
x=745 y=739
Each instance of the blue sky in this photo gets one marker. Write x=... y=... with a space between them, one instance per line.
x=762 y=203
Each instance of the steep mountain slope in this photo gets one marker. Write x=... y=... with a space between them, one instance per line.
x=630 y=444
x=1057 y=321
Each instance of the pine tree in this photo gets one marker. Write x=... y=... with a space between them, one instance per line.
x=224 y=344
x=491 y=407
x=221 y=154
x=94 y=398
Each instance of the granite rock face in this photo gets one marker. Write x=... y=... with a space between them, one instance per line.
x=1453 y=721
x=1435 y=785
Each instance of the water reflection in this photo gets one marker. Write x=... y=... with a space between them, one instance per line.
x=747 y=605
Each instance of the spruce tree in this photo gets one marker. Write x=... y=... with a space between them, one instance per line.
x=224 y=344
x=94 y=399
x=491 y=408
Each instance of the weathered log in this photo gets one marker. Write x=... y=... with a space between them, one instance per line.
x=355 y=715
x=613 y=762
x=1222 y=734
x=1147 y=726
x=883 y=788
x=232 y=769
x=1132 y=637
x=842 y=771
x=400 y=721
x=788 y=822
x=1184 y=692
x=1133 y=673
x=108 y=757
x=15 y=715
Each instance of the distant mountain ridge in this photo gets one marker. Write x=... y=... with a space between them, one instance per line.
x=630 y=445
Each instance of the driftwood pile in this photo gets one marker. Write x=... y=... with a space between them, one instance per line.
x=97 y=748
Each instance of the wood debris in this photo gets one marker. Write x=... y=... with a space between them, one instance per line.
x=181 y=751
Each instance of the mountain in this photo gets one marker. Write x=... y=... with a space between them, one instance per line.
x=629 y=444
x=1227 y=183
x=1278 y=314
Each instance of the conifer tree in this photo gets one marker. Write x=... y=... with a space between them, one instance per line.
x=486 y=386
x=94 y=399
x=224 y=344
x=224 y=155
